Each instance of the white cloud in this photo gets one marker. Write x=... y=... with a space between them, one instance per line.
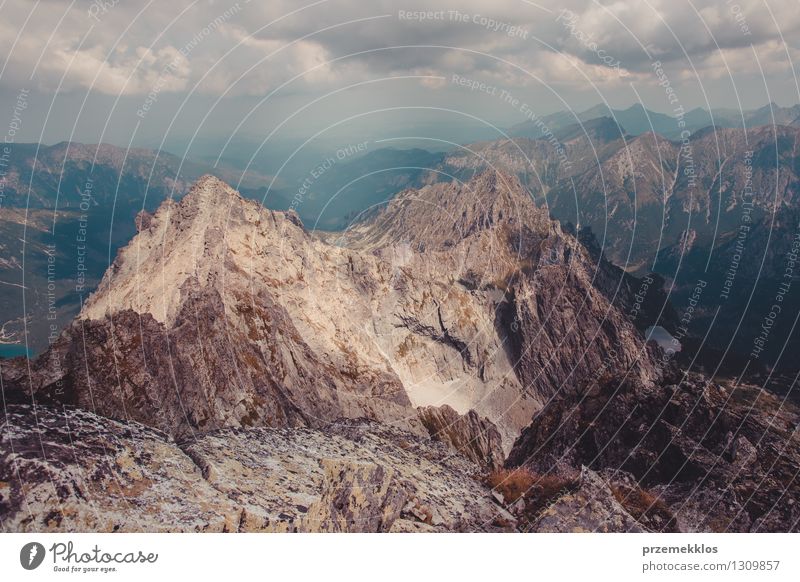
x=126 y=50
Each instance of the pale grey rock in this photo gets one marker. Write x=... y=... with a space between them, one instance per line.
x=224 y=314
x=71 y=470
x=590 y=508
x=474 y=437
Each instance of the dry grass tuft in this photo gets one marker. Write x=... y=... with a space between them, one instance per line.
x=536 y=490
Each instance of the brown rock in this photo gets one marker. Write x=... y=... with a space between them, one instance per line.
x=676 y=440
x=590 y=508
x=474 y=437
x=71 y=470
x=224 y=314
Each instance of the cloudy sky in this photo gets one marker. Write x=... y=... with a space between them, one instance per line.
x=125 y=71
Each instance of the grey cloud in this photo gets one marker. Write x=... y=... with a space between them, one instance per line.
x=130 y=51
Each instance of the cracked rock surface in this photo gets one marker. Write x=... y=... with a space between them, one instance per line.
x=222 y=314
x=71 y=470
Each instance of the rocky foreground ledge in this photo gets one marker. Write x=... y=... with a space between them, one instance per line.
x=688 y=457
x=71 y=470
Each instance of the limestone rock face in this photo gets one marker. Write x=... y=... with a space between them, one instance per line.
x=474 y=437
x=520 y=301
x=220 y=313
x=198 y=326
x=72 y=470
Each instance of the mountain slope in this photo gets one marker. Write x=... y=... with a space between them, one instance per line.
x=716 y=457
x=222 y=313
x=66 y=210
x=691 y=212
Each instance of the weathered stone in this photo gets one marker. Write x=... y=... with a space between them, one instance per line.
x=590 y=508
x=224 y=314
x=474 y=437
x=71 y=470
x=356 y=497
x=677 y=441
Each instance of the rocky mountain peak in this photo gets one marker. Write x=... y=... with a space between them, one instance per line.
x=209 y=202
x=489 y=192
x=221 y=313
x=438 y=216
x=209 y=188
x=199 y=240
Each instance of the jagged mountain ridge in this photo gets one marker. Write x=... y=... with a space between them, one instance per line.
x=66 y=210
x=688 y=211
x=605 y=180
x=222 y=313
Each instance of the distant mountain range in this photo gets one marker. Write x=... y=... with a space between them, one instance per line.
x=636 y=120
